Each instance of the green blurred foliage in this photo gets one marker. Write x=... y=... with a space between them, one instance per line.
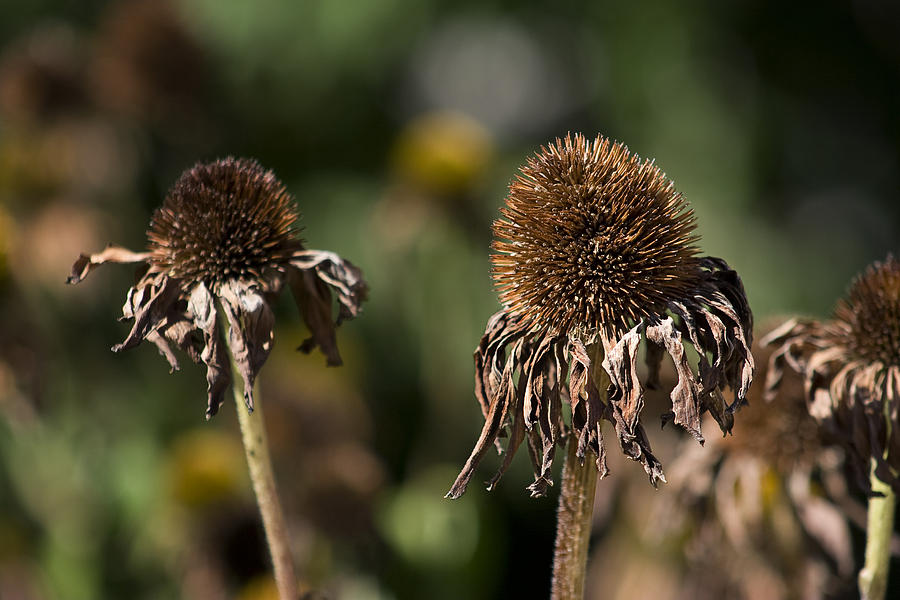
x=398 y=126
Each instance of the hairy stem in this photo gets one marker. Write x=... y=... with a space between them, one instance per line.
x=874 y=576
x=256 y=447
x=575 y=511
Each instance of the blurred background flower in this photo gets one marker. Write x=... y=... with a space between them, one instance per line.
x=763 y=514
x=398 y=126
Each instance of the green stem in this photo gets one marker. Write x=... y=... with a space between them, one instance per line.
x=256 y=447
x=574 y=516
x=874 y=576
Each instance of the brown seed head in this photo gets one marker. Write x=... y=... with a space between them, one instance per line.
x=592 y=237
x=871 y=313
x=225 y=220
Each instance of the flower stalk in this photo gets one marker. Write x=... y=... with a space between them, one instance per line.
x=873 y=577
x=573 y=526
x=574 y=514
x=256 y=447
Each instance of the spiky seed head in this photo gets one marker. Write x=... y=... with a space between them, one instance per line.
x=871 y=313
x=592 y=237
x=226 y=220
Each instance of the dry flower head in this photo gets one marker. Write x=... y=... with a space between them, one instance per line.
x=225 y=239
x=594 y=254
x=592 y=237
x=773 y=499
x=851 y=370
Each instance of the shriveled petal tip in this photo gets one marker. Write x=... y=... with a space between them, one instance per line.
x=717 y=321
x=150 y=304
x=498 y=392
x=685 y=396
x=250 y=331
x=114 y=254
x=313 y=278
x=202 y=308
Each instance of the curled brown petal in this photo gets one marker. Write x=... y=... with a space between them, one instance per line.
x=114 y=254
x=341 y=275
x=149 y=304
x=250 y=331
x=314 y=302
x=202 y=307
x=587 y=409
x=685 y=395
x=499 y=398
x=174 y=326
x=313 y=275
x=626 y=400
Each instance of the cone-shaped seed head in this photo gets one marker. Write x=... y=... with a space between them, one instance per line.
x=592 y=236
x=871 y=311
x=230 y=219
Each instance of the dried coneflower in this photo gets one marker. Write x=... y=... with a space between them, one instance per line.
x=226 y=239
x=851 y=370
x=595 y=251
x=767 y=505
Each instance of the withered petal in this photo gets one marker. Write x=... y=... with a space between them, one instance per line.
x=202 y=308
x=498 y=398
x=685 y=395
x=250 y=330
x=179 y=330
x=626 y=399
x=149 y=303
x=114 y=254
x=313 y=274
x=314 y=302
x=489 y=431
x=163 y=346
x=517 y=430
x=620 y=362
x=341 y=275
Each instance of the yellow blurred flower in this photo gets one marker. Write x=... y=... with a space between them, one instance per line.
x=206 y=468
x=444 y=152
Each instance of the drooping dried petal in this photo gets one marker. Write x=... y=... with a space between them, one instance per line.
x=496 y=383
x=686 y=404
x=173 y=326
x=312 y=275
x=587 y=409
x=114 y=254
x=150 y=302
x=626 y=398
x=250 y=335
x=202 y=307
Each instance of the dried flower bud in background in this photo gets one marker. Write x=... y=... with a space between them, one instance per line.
x=767 y=507
x=851 y=370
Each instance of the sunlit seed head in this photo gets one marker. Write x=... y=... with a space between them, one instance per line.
x=226 y=220
x=592 y=237
x=871 y=311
